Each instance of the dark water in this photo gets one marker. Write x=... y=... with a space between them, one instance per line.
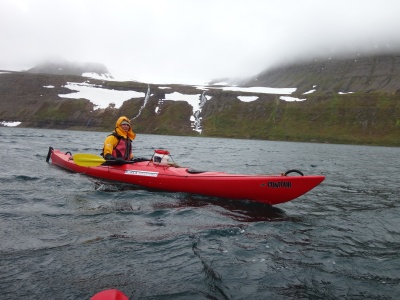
x=66 y=236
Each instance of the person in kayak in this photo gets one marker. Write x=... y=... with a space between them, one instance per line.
x=118 y=145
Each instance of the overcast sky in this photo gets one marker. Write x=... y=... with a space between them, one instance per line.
x=190 y=40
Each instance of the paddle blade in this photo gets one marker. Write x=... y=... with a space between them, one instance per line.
x=88 y=160
x=112 y=294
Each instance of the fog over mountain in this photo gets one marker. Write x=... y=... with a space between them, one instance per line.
x=193 y=41
x=64 y=67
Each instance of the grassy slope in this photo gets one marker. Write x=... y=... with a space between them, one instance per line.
x=372 y=118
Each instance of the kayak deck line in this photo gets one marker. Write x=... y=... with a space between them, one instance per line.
x=159 y=173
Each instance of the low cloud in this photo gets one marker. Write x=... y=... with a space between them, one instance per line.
x=192 y=41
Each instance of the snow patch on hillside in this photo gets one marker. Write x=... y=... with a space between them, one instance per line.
x=261 y=90
x=10 y=124
x=291 y=99
x=309 y=92
x=193 y=100
x=247 y=98
x=99 y=76
x=98 y=95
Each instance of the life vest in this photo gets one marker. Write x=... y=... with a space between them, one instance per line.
x=123 y=148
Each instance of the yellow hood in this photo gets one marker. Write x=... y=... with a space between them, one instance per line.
x=118 y=128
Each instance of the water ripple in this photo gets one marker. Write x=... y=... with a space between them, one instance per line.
x=69 y=236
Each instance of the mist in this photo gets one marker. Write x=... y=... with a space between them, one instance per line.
x=181 y=41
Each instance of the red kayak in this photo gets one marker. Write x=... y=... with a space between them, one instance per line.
x=112 y=294
x=161 y=174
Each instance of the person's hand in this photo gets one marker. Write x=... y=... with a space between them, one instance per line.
x=120 y=161
x=109 y=157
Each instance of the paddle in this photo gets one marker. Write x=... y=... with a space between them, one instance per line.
x=88 y=160
x=92 y=160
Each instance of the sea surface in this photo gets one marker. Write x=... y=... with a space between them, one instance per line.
x=68 y=236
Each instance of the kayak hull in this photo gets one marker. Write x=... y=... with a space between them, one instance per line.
x=269 y=189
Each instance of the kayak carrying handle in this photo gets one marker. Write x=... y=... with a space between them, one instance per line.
x=293 y=171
